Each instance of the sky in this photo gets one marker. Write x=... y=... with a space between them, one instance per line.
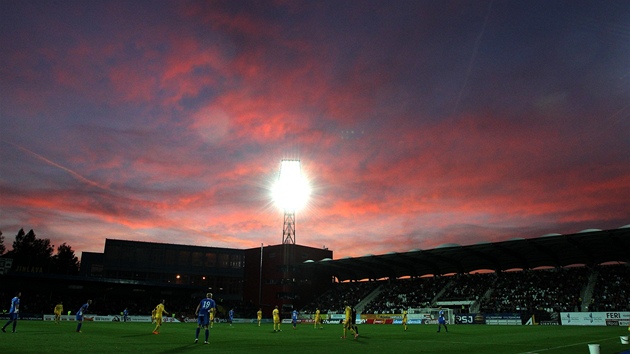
x=417 y=123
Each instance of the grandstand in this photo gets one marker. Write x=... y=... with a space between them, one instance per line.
x=543 y=292
x=543 y=277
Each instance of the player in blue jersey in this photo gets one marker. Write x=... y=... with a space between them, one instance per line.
x=230 y=316
x=205 y=307
x=125 y=314
x=13 y=312
x=79 y=317
x=294 y=315
x=441 y=321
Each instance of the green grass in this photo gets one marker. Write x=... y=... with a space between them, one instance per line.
x=106 y=337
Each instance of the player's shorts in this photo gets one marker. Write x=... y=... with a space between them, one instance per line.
x=276 y=320
x=203 y=319
x=79 y=317
x=441 y=321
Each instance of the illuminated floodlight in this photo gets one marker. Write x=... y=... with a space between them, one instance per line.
x=291 y=191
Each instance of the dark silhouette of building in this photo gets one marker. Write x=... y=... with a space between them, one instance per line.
x=278 y=281
x=233 y=274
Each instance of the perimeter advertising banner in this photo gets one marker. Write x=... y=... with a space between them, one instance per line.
x=470 y=318
x=23 y=316
x=110 y=318
x=595 y=318
x=392 y=318
x=505 y=319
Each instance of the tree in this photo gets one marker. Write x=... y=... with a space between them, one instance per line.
x=65 y=262
x=31 y=254
x=2 y=248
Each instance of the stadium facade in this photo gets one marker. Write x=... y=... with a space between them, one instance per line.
x=232 y=274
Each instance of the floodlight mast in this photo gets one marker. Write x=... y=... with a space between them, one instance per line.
x=288 y=229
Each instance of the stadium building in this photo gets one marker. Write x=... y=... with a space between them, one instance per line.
x=140 y=274
x=263 y=276
x=192 y=267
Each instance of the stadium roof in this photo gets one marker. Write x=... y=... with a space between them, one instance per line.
x=588 y=247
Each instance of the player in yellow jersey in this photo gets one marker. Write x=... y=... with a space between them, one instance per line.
x=347 y=322
x=404 y=319
x=259 y=316
x=159 y=310
x=212 y=316
x=57 y=311
x=318 y=319
x=276 y=319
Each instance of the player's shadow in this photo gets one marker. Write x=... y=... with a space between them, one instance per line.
x=138 y=335
x=359 y=339
x=182 y=349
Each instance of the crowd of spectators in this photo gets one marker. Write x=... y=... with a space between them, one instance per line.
x=406 y=293
x=332 y=301
x=550 y=290
x=529 y=291
x=468 y=287
x=612 y=290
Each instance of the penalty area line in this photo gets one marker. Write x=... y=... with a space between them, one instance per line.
x=564 y=346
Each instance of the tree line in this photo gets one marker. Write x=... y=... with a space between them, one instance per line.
x=37 y=255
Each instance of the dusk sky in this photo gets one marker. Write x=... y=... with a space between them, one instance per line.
x=418 y=123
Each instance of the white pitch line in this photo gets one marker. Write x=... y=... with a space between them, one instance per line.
x=564 y=346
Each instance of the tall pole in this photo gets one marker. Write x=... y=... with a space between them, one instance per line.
x=260 y=282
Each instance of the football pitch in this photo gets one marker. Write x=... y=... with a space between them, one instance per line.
x=108 y=337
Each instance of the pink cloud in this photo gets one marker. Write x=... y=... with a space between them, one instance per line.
x=182 y=126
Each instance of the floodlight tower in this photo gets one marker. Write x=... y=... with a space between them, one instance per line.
x=290 y=193
x=288 y=228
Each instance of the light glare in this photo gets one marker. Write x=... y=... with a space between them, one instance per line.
x=291 y=191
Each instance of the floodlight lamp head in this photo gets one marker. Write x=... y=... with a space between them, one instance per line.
x=291 y=191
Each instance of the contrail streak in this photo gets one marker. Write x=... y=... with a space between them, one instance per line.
x=52 y=163
x=472 y=59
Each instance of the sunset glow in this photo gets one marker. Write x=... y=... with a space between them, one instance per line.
x=417 y=123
